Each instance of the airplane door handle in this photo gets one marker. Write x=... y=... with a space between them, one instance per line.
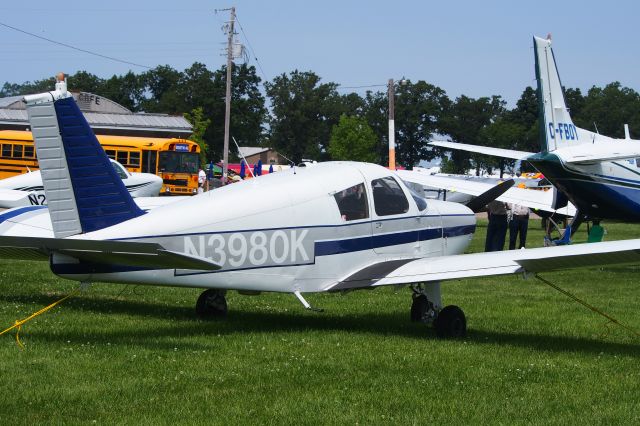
x=378 y=225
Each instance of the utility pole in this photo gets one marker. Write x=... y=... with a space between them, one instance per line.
x=227 y=109
x=392 y=126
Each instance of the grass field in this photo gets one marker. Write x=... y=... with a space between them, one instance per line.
x=138 y=355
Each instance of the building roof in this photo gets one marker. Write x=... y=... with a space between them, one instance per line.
x=248 y=151
x=10 y=101
x=104 y=115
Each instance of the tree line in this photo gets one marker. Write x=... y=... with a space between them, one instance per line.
x=301 y=116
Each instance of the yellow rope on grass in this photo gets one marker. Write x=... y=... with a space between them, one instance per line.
x=18 y=323
x=591 y=307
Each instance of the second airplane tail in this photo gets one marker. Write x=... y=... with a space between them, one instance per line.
x=556 y=127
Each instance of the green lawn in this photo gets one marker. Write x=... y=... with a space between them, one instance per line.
x=133 y=355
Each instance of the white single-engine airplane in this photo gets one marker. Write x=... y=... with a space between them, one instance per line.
x=27 y=189
x=598 y=174
x=333 y=227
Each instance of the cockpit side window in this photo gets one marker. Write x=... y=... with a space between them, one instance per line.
x=352 y=203
x=415 y=190
x=388 y=197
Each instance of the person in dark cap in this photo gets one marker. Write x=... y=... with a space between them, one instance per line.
x=497 y=229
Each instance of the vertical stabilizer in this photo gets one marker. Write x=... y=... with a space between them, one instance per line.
x=84 y=192
x=556 y=127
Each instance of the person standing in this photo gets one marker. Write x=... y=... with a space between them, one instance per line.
x=497 y=229
x=202 y=177
x=518 y=225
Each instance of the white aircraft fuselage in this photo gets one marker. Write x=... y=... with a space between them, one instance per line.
x=284 y=232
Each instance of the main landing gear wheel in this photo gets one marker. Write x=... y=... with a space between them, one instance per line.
x=451 y=322
x=211 y=304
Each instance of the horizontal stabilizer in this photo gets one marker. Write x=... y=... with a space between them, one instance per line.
x=496 y=263
x=603 y=149
x=122 y=253
x=496 y=152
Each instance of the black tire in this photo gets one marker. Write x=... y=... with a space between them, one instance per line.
x=419 y=308
x=451 y=323
x=211 y=304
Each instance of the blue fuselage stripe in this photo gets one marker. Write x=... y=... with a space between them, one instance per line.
x=322 y=248
x=17 y=212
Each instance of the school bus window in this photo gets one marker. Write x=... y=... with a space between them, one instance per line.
x=122 y=157
x=6 y=150
x=17 y=151
x=28 y=151
x=134 y=158
x=110 y=153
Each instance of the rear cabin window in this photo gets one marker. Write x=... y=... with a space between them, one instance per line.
x=6 y=150
x=17 y=151
x=110 y=153
x=388 y=197
x=352 y=203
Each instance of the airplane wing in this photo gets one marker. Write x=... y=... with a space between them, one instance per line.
x=493 y=263
x=534 y=199
x=124 y=253
x=496 y=152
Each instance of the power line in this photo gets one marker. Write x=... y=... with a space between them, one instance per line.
x=111 y=58
x=361 y=87
x=251 y=47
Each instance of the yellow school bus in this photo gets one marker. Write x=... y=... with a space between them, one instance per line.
x=174 y=160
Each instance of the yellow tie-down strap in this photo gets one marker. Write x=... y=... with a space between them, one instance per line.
x=18 y=323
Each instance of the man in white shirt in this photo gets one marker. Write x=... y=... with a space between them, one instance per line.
x=518 y=225
x=202 y=177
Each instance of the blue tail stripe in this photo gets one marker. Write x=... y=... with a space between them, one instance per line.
x=101 y=197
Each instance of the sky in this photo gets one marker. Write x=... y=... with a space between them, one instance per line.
x=475 y=48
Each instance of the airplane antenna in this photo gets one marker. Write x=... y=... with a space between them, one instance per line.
x=293 y=165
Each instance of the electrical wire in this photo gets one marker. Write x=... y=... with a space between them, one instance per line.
x=253 y=53
x=111 y=58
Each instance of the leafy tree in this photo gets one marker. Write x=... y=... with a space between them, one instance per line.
x=352 y=139
x=126 y=90
x=303 y=113
x=502 y=133
x=83 y=81
x=161 y=87
x=200 y=125
x=376 y=112
x=610 y=108
x=576 y=102
x=464 y=120
x=419 y=108
x=525 y=114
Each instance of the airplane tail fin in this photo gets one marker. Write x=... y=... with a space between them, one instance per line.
x=556 y=127
x=84 y=192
